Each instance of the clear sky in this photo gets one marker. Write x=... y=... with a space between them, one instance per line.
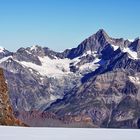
x=61 y=24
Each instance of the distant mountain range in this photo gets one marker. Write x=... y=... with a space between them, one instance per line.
x=93 y=85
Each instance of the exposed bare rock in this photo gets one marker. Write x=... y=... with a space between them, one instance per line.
x=6 y=112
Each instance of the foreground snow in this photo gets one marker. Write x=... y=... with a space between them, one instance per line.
x=18 y=133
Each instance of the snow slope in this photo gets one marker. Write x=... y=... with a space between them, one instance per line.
x=59 y=67
x=18 y=133
x=131 y=53
x=115 y=47
x=50 y=67
x=1 y=49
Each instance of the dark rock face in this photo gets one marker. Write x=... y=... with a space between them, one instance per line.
x=135 y=46
x=96 y=84
x=110 y=100
x=138 y=123
x=23 y=55
x=39 y=51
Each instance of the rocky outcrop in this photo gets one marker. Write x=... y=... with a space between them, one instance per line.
x=6 y=112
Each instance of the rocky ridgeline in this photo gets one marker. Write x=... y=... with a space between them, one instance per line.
x=96 y=84
x=6 y=112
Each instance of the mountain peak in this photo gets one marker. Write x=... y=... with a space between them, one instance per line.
x=137 y=39
x=102 y=32
x=34 y=47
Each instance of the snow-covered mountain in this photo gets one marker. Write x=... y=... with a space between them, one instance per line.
x=92 y=80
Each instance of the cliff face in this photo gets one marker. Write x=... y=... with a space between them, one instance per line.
x=6 y=113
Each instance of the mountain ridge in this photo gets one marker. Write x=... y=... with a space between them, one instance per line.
x=42 y=81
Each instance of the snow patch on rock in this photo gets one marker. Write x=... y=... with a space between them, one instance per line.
x=5 y=59
x=90 y=66
x=135 y=80
x=115 y=47
x=132 y=54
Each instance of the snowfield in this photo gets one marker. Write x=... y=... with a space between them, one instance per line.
x=131 y=53
x=19 y=133
x=50 y=67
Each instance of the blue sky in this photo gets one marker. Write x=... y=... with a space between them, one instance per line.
x=61 y=24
